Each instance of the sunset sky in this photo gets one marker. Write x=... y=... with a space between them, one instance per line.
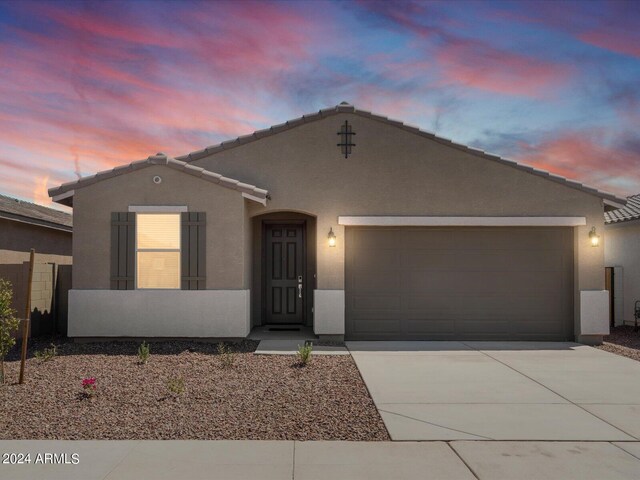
x=85 y=86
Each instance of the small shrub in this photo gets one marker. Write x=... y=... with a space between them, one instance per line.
x=176 y=386
x=304 y=353
x=8 y=323
x=47 y=354
x=227 y=357
x=89 y=387
x=144 y=351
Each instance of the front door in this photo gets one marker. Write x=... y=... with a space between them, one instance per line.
x=284 y=273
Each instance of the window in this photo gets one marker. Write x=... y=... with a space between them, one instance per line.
x=158 y=250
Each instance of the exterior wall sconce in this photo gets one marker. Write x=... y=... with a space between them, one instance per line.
x=594 y=237
x=332 y=238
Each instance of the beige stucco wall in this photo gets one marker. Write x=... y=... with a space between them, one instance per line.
x=390 y=172
x=16 y=238
x=622 y=249
x=395 y=172
x=225 y=223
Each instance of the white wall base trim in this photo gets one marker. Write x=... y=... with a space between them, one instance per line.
x=408 y=221
x=328 y=307
x=594 y=312
x=159 y=313
x=158 y=208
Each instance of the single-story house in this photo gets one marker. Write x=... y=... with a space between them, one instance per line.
x=622 y=259
x=359 y=226
x=25 y=225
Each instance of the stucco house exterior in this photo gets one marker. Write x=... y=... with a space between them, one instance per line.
x=359 y=226
x=25 y=225
x=622 y=257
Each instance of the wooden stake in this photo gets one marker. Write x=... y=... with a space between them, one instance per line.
x=27 y=318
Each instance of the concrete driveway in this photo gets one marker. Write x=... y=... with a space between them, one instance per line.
x=501 y=390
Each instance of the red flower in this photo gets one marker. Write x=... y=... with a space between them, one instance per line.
x=89 y=383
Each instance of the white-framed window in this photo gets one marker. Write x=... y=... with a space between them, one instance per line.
x=157 y=250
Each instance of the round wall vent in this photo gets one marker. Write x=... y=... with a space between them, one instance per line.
x=157 y=179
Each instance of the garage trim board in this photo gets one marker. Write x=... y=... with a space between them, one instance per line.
x=429 y=221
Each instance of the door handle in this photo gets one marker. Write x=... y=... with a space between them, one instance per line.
x=300 y=286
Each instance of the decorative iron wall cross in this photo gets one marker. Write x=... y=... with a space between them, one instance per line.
x=346 y=138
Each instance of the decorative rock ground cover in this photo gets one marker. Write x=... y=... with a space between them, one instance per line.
x=257 y=398
x=623 y=341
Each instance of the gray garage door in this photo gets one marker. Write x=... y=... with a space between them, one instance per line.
x=459 y=283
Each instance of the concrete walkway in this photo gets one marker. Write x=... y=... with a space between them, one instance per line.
x=501 y=390
x=286 y=460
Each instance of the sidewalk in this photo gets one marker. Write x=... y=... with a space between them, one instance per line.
x=266 y=460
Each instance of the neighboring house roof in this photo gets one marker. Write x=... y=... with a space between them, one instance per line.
x=625 y=214
x=64 y=193
x=27 y=212
x=344 y=107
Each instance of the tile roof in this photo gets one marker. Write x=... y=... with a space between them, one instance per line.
x=345 y=107
x=625 y=214
x=28 y=212
x=158 y=159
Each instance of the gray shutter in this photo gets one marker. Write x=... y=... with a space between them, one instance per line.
x=193 y=248
x=123 y=250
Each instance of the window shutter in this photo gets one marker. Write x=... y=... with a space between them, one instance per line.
x=123 y=250
x=193 y=248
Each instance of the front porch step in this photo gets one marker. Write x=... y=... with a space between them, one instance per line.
x=299 y=333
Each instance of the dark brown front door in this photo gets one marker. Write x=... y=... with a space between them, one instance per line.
x=284 y=269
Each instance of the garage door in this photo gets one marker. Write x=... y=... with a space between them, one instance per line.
x=459 y=283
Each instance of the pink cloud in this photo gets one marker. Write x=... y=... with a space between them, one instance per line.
x=479 y=65
x=99 y=86
x=588 y=156
x=85 y=103
x=615 y=40
x=395 y=104
x=402 y=15
x=463 y=61
x=610 y=25
x=93 y=23
x=40 y=192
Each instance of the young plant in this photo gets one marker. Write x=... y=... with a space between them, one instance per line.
x=176 y=386
x=47 y=354
x=89 y=387
x=304 y=353
x=144 y=351
x=8 y=323
x=227 y=357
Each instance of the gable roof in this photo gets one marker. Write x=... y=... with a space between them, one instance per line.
x=64 y=193
x=344 y=107
x=27 y=212
x=625 y=214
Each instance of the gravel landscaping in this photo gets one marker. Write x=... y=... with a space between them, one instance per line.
x=259 y=397
x=623 y=341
